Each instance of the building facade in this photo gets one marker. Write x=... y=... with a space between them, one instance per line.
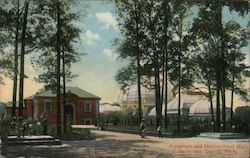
x=81 y=107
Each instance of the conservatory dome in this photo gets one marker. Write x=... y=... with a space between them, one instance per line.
x=187 y=100
x=201 y=107
x=129 y=98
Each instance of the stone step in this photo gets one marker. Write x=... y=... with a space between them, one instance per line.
x=224 y=135
x=55 y=142
x=32 y=140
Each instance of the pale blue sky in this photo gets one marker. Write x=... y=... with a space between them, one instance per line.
x=97 y=69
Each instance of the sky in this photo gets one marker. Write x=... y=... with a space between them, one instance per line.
x=96 y=70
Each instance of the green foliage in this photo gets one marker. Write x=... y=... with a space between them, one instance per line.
x=68 y=122
x=242 y=119
x=126 y=76
x=5 y=44
x=5 y=127
x=45 y=62
x=118 y=118
x=78 y=135
x=206 y=58
x=74 y=134
x=52 y=130
x=14 y=126
x=40 y=37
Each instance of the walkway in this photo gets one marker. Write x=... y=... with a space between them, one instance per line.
x=112 y=144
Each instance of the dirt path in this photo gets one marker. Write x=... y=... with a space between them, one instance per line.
x=120 y=145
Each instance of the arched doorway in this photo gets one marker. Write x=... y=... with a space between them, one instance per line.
x=69 y=113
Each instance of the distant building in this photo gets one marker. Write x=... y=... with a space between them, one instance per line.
x=129 y=99
x=81 y=106
x=106 y=107
x=187 y=100
x=193 y=104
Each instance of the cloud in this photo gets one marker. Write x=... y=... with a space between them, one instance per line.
x=90 y=37
x=109 y=53
x=8 y=49
x=89 y=15
x=108 y=19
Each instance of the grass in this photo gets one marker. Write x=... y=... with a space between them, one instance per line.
x=150 y=131
x=77 y=135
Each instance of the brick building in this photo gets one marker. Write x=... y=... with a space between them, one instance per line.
x=80 y=105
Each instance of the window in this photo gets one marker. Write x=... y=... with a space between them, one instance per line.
x=87 y=121
x=87 y=107
x=47 y=107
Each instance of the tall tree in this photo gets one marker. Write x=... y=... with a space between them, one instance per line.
x=180 y=56
x=10 y=17
x=214 y=53
x=14 y=91
x=23 y=44
x=131 y=27
x=205 y=51
x=60 y=45
x=58 y=69
x=223 y=74
x=166 y=36
x=236 y=38
x=151 y=22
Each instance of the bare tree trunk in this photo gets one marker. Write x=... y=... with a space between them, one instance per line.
x=217 y=106
x=158 y=105
x=221 y=68
x=64 y=93
x=163 y=79
x=14 y=96
x=223 y=86
x=166 y=93
x=58 y=71
x=23 y=42
x=161 y=87
x=157 y=85
x=157 y=91
x=166 y=6
x=139 y=86
x=138 y=65
x=232 y=97
x=179 y=93
x=223 y=98
x=211 y=101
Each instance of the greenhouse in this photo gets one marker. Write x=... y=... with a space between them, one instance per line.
x=108 y=108
x=200 y=108
x=129 y=98
x=192 y=104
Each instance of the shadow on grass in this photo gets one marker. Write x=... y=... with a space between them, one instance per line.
x=88 y=148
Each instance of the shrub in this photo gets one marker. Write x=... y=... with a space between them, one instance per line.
x=78 y=135
x=68 y=123
x=242 y=119
x=52 y=130
x=5 y=127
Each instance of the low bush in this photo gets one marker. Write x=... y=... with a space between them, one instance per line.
x=18 y=126
x=78 y=135
x=242 y=119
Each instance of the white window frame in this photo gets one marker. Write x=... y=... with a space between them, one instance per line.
x=87 y=109
x=45 y=106
x=90 y=120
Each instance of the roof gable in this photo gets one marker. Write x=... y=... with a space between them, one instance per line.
x=75 y=90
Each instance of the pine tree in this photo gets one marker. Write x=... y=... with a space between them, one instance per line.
x=131 y=27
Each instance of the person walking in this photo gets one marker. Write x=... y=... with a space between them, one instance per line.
x=159 y=132
x=142 y=128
